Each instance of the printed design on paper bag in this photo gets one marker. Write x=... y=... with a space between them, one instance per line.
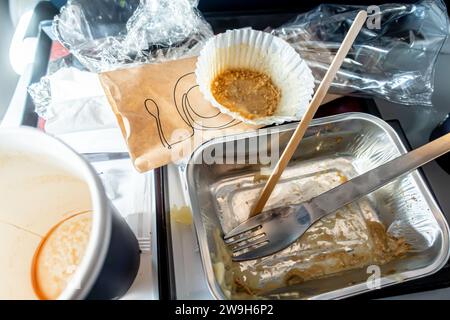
x=193 y=116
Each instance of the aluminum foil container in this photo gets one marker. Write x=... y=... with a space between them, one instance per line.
x=334 y=149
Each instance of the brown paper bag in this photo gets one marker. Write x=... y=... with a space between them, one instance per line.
x=161 y=112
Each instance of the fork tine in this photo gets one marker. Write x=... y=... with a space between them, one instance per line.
x=253 y=223
x=254 y=245
x=244 y=240
x=249 y=225
x=229 y=240
x=255 y=253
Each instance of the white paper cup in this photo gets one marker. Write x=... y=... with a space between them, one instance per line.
x=43 y=181
x=263 y=52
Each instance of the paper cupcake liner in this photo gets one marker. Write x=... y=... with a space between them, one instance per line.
x=263 y=52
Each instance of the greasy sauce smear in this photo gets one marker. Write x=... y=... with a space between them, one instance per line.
x=351 y=238
x=250 y=93
x=239 y=283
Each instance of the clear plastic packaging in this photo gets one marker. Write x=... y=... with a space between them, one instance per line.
x=110 y=34
x=41 y=94
x=393 y=57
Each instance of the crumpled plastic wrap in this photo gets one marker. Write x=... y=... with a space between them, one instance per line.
x=109 y=34
x=393 y=57
x=41 y=94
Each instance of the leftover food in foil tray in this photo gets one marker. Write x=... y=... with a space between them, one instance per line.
x=397 y=231
x=352 y=237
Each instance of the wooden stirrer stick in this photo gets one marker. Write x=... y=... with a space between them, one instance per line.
x=309 y=114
